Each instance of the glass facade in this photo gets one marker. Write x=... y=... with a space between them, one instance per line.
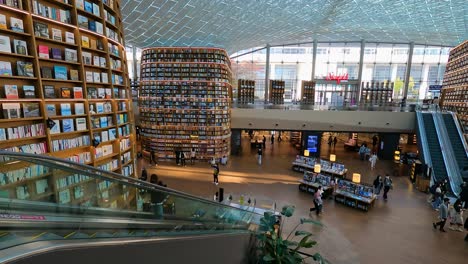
x=382 y=62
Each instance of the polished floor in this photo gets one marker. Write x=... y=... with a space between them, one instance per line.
x=397 y=231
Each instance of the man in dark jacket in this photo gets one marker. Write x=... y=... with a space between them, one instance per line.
x=464 y=194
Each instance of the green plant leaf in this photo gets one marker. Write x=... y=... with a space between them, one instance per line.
x=290 y=243
x=310 y=221
x=317 y=257
x=268 y=258
x=303 y=241
x=309 y=244
x=302 y=233
x=288 y=210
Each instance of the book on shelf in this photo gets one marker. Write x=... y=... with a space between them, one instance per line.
x=107 y=107
x=5 y=45
x=46 y=72
x=96 y=60
x=112 y=134
x=11 y=91
x=29 y=91
x=99 y=28
x=70 y=37
x=41 y=29
x=51 y=110
x=49 y=91
x=92 y=93
x=88 y=6
x=64 y=196
x=56 y=53
x=60 y=72
x=71 y=55
x=20 y=47
x=11 y=110
x=16 y=24
x=97 y=137
x=102 y=62
x=104 y=77
x=79 y=109
x=96 y=10
x=43 y=51
x=2 y=137
x=82 y=22
x=77 y=92
x=89 y=76
x=92 y=25
x=5 y=68
x=99 y=107
x=65 y=92
x=101 y=93
x=31 y=110
x=3 y=23
x=86 y=57
x=85 y=41
x=25 y=68
x=103 y=121
x=67 y=125
x=22 y=192
x=74 y=75
x=104 y=136
x=93 y=43
x=55 y=129
x=65 y=109
x=108 y=93
x=95 y=121
x=41 y=186
x=79 y=4
x=96 y=77
x=99 y=44
x=57 y=34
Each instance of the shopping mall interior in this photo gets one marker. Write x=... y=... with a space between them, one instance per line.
x=302 y=131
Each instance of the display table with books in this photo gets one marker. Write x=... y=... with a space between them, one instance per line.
x=355 y=195
x=302 y=164
x=312 y=181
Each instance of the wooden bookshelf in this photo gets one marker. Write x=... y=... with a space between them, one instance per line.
x=245 y=91
x=455 y=85
x=308 y=92
x=59 y=68
x=276 y=91
x=376 y=93
x=184 y=101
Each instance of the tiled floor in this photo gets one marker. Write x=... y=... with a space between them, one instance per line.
x=396 y=231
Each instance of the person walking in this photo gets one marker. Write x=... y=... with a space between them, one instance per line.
x=177 y=156
x=272 y=139
x=378 y=182
x=318 y=203
x=153 y=161
x=279 y=137
x=259 y=153
x=388 y=184
x=464 y=194
x=264 y=141
x=193 y=154
x=373 y=159
x=215 y=197
x=362 y=151
x=437 y=197
x=330 y=140
x=456 y=216
x=443 y=214
x=182 y=158
x=215 y=173
x=335 y=140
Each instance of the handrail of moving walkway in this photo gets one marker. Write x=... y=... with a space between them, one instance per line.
x=94 y=172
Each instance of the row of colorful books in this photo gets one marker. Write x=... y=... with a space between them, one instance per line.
x=67 y=125
x=13 y=110
x=33 y=130
x=23 y=68
x=63 y=144
x=11 y=176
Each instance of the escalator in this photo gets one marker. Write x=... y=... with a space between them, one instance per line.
x=49 y=202
x=456 y=140
x=439 y=172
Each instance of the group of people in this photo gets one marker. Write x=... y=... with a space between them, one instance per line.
x=332 y=140
x=446 y=210
x=181 y=157
x=385 y=183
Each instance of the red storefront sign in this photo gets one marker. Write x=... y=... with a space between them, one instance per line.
x=337 y=78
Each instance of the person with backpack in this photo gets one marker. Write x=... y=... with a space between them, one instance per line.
x=443 y=215
x=388 y=184
x=215 y=173
x=378 y=182
x=437 y=197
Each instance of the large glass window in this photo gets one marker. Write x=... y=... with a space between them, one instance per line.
x=251 y=67
x=337 y=58
x=427 y=68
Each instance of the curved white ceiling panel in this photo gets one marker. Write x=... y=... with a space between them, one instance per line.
x=240 y=24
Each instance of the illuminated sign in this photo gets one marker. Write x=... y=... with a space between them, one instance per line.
x=337 y=78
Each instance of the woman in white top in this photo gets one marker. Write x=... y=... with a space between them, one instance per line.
x=192 y=156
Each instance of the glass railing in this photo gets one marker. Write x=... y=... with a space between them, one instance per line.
x=45 y=198
x=327 y=107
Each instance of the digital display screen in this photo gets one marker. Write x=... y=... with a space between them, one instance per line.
x=312 y=144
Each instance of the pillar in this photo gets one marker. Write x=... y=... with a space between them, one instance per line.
x=267 y=72
x=361 y=67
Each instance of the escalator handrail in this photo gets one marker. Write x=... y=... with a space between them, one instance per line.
x=97 y=173
x=425 y=145
x=453 y=173
x=460 y=131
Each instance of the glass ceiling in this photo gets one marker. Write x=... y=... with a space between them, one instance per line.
x=239 y=24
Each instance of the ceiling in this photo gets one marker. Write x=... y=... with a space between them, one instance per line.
x=241 y=24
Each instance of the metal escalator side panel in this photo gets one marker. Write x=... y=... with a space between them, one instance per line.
x=422 y=140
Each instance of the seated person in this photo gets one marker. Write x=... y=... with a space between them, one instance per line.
x=224 y=160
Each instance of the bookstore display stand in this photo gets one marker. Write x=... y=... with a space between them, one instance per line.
x=355 y=195
x=276 y=91
x=308 y=92
x=377 y=94
x=64 y=92
x=312 y=181
x=185 y=102
x=303 y=164
x=455 y=84
x=245 y=91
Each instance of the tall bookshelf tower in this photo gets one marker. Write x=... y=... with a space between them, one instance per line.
x=184 y=101
x=455 y=85
x=64 y=89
